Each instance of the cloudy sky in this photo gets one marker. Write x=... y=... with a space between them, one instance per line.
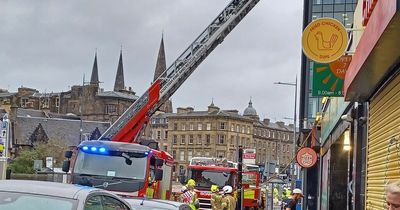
x=50 y=44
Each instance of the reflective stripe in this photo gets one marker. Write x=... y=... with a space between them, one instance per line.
x=249 y=193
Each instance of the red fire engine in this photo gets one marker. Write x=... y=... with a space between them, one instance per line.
x=212 y=171
x=113 y=162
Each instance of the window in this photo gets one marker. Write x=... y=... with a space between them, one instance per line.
x=199 y=126
x=174 y=154
x=221 y=154
x=110 y=203
x=222 y=125
x=165 y=148
x=232 y=127
x=232 y=140
x=183 y=139
x=273 y=134
x=93 y=203
x=183 y=126
x=190 y=155
x=237 y=128
x=221 y=139
x=242 y=129
x=208 y=126
x=57 y=101
x=199 y=140
x=191 y=126
x=175 y=126
x=208 y=139
x=182 y=156
x=248 y=129
x=175 y=139
x=111 y=108
x=190 y=139
x=23 y=102
x=165 y=134
x=158 y=134
x=268 y=133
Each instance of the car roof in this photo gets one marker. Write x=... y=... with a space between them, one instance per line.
x=161 y=204
x=45 y=188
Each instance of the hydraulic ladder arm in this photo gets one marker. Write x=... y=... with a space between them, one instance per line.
x=128 y=126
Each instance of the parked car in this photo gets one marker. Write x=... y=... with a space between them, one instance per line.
x=38 y=195
x=153 y=204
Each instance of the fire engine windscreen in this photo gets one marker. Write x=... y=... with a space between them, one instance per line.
x=115 y=164
x=204 y=179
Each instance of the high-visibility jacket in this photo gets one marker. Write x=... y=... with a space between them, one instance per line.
x=229 y=202
x=190 y=198
x=216 y=201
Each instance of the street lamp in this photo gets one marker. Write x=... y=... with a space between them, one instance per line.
x=294 y=117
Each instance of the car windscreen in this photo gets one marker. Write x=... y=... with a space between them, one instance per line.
x=25 y=201
x=205 y=178
x=122 y=165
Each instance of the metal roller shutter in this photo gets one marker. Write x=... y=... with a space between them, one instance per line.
x=383 y=157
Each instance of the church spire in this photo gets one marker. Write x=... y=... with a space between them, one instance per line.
x=119 y=79
x=94 y=79
x=161 y=63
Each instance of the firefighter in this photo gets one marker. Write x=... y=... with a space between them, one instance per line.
x=216 y=198
x=190 y=196
x=150 y=188
x=228 y=201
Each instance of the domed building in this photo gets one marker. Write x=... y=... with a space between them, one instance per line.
x=251 y=112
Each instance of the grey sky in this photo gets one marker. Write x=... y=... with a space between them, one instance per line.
x=49 y=45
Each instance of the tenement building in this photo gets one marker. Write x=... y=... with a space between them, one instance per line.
x=217 y=133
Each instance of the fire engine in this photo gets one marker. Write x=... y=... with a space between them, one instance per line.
x=119 y=161
x=208 y=171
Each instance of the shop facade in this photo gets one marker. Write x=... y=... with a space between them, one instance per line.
x=373 y=79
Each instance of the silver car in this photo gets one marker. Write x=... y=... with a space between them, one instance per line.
x=37 y=195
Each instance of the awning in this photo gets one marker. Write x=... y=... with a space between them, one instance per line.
x=376 y=53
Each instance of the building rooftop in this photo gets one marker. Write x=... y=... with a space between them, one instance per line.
x=115 y=94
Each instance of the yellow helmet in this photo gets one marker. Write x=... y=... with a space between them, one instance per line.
x=191 y=183
x=214 y=188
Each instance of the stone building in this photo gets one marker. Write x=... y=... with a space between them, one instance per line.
x=210 y=133
x=216 y=133
x=83 y=112
x=88 y=101
x=273 y=141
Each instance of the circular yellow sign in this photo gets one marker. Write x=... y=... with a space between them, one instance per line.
x=324 y=40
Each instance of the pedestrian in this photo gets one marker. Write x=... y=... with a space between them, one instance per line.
x=216 y=198
x=393 y=195
x=296 y=196
x=228 y=201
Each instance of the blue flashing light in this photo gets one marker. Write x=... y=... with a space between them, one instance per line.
x=85 y=148
x=93 y=149
x=146 y=153
x=102 y=149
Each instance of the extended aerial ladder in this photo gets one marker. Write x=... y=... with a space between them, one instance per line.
x=128 y=126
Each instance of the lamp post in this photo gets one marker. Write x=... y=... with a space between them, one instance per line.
x=294 y=119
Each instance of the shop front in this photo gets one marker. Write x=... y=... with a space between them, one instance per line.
x=374 y=77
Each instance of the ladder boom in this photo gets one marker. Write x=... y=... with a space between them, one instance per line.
x=173 y=77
